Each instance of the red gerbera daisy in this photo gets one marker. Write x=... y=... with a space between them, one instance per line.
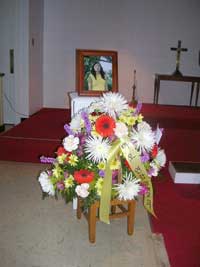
x=105 y=125
x=83 y=176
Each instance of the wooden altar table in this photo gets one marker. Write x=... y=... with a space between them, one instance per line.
x=194 y=80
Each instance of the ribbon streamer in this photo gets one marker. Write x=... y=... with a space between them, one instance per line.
x=133 y=158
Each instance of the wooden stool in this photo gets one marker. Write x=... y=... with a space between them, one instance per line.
x=92 y=215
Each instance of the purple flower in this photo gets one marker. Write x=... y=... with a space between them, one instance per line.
x=88 y=126
x=80 y=152
x=145 y=157
x=101 y=173
x=138 y=108
x=68 y=129
x=44 y=159
x=66 y=174
x=143 y=189
x=60 y=185
x=114 y=176
x=49 y=172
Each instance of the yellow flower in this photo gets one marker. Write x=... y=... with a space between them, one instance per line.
x=115 y=164
x=93 y=118
x=131 y=120
x=122 y=119
x=57 y=171
x=99 y=185
x=140 y=118
x=73 y=159
x=101 y=165
x=69 y=181
x=61 y=158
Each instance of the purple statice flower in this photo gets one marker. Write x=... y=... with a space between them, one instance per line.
x=82 y=139
x=145 y=157
x=60 y=185
x=138 y=108
x=88 y=126
x=68 y=130
x=101 y=173
x=44 y=159
x=143 y=189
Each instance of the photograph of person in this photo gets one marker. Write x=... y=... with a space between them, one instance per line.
x=98 y=73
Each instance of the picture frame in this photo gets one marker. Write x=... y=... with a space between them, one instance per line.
x=96 y=72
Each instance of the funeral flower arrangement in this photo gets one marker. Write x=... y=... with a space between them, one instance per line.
x=107 y=145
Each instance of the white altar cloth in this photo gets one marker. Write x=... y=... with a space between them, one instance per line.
x=78 y=102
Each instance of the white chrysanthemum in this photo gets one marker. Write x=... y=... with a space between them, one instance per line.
x=113 y=103
x=75 y=124
x=97 y=148
x=46 y=184
x=70 y=143
x=129 y=189
x=161 y=158
x=121 y=130
x=143 y=137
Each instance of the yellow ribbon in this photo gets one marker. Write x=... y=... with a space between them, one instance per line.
x=133 y=158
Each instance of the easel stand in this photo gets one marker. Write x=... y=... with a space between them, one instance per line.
x=126 y=209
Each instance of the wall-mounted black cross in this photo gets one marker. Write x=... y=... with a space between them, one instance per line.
x=178 y=54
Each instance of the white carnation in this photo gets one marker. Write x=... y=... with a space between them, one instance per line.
x=70 y=143
x=82 y=190
x=46 y=184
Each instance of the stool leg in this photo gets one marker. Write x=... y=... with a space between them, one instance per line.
x=131 y=217
x=113 y=209
x=92 y=222
x=78 y=211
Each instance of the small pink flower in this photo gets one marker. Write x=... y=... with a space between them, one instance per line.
x=82 y=190
x=143 y=189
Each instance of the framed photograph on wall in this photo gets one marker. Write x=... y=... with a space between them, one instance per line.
x=96 y=72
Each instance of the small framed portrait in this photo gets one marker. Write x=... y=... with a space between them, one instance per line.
x=96 y=72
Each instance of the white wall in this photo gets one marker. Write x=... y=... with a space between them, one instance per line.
x=35 y=55
x=21 y=60
x=7 y=42
x=142 y=31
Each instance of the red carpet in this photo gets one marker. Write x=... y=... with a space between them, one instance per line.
x=177 y=206
x=39 y=135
